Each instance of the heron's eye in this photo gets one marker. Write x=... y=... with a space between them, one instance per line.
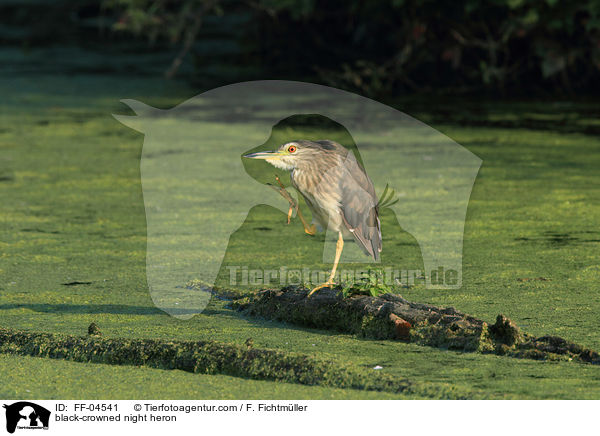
x=292 y=149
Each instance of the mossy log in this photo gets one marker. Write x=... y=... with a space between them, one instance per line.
x=206 y=357
x=393 y=317
x=213 y=357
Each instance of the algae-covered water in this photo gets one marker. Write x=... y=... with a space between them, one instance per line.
x=73 y=250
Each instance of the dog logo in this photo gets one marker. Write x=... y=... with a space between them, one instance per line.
x=26 y=415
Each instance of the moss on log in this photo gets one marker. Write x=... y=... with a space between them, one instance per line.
x=393 y=317
x=213 y=357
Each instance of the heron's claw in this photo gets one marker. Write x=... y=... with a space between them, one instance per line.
x=312 y=230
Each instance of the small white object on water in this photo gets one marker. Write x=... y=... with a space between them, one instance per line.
x=378 y=367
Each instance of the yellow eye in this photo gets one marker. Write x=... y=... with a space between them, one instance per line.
x=292 y=149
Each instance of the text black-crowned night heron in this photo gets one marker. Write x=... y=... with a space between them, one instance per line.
x=337 y=190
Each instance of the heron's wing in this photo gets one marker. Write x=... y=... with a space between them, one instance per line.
x=358 y=204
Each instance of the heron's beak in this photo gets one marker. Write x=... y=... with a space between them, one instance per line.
x=264 y=155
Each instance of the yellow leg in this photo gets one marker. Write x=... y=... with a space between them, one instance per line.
x=310 y=230
x=339 y=246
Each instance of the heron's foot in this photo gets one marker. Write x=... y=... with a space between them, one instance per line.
x=327 y=284
x=312 y=230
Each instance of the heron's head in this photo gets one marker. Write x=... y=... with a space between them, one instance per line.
x=298 y=154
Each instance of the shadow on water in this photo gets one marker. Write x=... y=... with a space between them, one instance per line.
x=110 y=309
x=559 y=239
x=85 y=308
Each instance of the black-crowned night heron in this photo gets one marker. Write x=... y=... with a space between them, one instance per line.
x=337 y=190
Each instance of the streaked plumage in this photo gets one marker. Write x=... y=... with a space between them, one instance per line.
x=339 y=193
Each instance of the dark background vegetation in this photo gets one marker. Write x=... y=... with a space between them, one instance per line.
x=495 y=48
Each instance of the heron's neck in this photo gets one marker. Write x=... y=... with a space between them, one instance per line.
x=305 y=180
x=278 y=163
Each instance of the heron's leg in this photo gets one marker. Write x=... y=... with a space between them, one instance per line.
x=339 y=246
x=311 y=230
